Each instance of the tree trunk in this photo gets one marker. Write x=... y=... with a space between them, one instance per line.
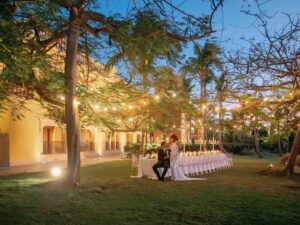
x=279 y=145
x=71 y=106
x=142 y=146
x=289 y=168
x=234 y=135
x=202 y=121
x=257 y=148
x=220 y=128
x=288 y=143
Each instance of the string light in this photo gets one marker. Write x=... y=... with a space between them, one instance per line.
x=145 y=103
x=157 y=97
x=76 y=102
x=217 y=108
x=105 y=109
x=62 y=98
x=174 y=95
x=97 y=107
x=130 y=107
x=204 y=107
x=270 y=166
x=114 y=108
x=130 y=119
x=119 y=120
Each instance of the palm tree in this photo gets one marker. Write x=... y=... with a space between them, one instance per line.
x=201 y=68
x=146 y=42
x=221 y=86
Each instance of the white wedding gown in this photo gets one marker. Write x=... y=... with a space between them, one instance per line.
x=177 y=174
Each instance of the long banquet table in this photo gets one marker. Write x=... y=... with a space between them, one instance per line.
x=190 y=164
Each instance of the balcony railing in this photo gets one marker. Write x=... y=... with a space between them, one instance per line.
x=87 y=146
x=57 y=147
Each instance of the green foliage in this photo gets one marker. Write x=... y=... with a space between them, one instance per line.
x=152 y=147
x=22 y=59
x=205 y=60
x=236 y=148
x=132 y=149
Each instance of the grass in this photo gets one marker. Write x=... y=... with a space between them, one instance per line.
x=108 y=195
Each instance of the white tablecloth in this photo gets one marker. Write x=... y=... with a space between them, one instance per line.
x=190 y=165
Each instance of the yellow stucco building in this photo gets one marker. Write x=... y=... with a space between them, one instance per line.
x=37 y=139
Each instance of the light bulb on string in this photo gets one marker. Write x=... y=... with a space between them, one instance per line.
x=76 y=103
x=97 y=107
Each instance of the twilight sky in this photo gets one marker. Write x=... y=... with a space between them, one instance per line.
x=230 y=21
x=234 y=23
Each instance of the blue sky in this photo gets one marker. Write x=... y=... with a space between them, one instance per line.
x=230 y=19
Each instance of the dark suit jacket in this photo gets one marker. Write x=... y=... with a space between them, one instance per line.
x=161 y=154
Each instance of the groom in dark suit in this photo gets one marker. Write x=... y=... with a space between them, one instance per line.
x=163 y=157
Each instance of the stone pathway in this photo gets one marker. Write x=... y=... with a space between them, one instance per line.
x=43 y=166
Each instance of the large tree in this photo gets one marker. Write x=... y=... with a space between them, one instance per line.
x=271 y=68
x=48 y=23
x=201 y=68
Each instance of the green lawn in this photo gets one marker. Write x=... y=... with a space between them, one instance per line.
x=108 y=195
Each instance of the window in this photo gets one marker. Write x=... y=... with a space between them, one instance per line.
x=53 y=140
x=129 y=138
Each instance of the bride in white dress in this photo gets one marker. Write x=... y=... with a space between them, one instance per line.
x=177 y=174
